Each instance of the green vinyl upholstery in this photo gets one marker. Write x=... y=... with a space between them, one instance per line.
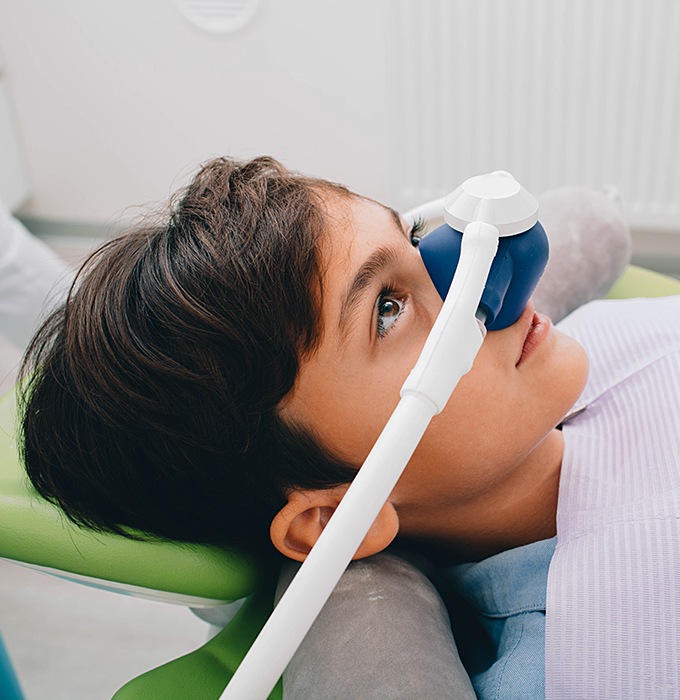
x=35 y=532
x=640 y=282
x=204 y=673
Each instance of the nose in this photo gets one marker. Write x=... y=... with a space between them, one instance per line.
x=515 y=271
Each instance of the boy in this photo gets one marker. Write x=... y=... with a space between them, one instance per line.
x=220 y=377
x=229 y=370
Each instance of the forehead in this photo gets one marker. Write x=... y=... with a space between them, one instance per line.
x=355 y=226
x=366 y=241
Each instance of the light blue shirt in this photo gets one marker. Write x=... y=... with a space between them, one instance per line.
x=507 y=594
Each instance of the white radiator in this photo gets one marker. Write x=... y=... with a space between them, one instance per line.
x=555 y=91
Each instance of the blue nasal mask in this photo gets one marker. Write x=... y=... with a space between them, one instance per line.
x=514 y=274
x=498 y=200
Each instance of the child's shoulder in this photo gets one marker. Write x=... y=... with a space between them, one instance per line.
x=623 y=321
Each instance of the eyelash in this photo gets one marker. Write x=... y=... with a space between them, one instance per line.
x=418 y=226
x=388 y=293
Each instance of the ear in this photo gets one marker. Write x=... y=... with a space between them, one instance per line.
x=297 y=526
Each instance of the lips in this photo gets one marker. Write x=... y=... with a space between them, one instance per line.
x=537 y=330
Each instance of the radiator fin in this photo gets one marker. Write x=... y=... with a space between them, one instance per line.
x=562 y=92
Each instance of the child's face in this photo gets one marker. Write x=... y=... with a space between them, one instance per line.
x=378 y=307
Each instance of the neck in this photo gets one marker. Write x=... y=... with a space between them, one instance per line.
x=519 y=511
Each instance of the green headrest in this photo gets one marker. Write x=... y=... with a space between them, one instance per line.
x=35 y=532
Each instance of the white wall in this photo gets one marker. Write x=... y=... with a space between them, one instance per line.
x=118 y=101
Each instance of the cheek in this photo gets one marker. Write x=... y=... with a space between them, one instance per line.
x=369 y=392
x=346 y=406
x=473 y=425
x=496 y=416
x=362 y=409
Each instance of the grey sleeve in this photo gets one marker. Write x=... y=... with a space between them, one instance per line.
x=383 y=634
x=33 y=279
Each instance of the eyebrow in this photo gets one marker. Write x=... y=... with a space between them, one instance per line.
x=370 y=269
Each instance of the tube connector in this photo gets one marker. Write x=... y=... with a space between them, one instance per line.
x=496 y=198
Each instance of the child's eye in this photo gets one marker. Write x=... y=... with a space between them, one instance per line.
x=389 y=309
x=416 y=229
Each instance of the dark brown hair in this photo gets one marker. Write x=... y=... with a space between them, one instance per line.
x=150 y=397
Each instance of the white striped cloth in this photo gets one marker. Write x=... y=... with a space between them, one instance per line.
x=613 y=600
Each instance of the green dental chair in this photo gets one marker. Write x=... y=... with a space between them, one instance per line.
x=33 y=533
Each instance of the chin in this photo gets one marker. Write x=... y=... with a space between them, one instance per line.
x=573 y=366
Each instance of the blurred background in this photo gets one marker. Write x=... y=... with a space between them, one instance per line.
x=107 y=107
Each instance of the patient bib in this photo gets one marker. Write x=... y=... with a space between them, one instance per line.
x=613 y=597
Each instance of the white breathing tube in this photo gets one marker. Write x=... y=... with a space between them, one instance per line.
x=448 y=354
